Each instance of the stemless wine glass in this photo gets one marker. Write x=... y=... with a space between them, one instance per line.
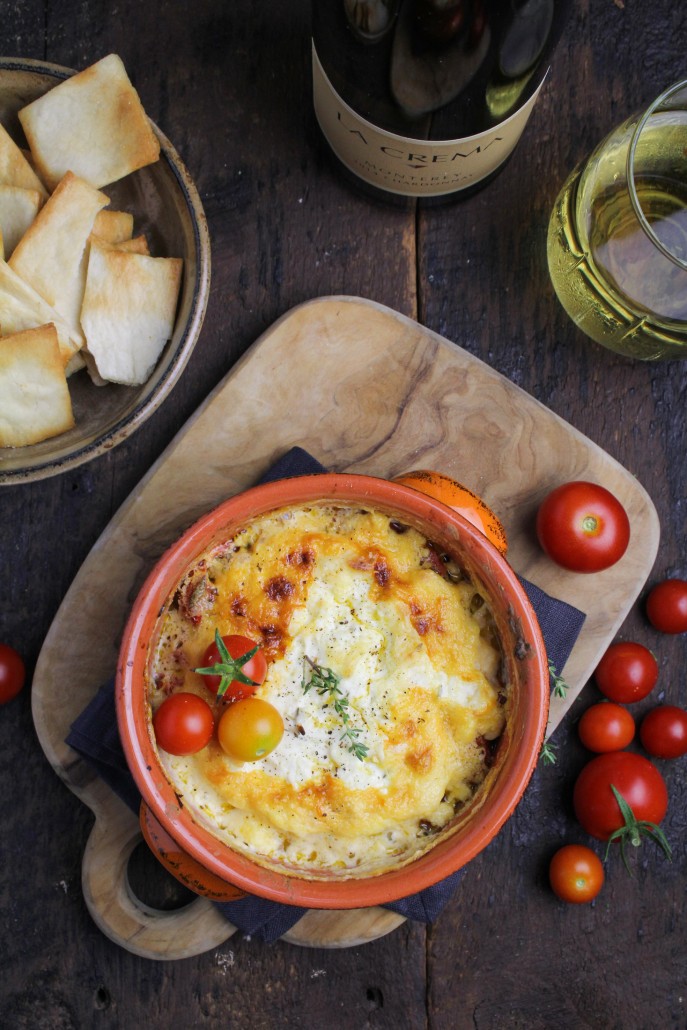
x=617 y=239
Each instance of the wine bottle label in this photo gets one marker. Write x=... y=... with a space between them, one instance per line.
x=411 y=167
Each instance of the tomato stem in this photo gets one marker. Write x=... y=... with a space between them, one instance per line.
x=634 y=830
x=229 y=669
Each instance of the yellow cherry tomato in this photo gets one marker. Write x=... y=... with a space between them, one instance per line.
x=250 y=729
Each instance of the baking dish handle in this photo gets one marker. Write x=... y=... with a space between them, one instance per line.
x=122 y=916
x=181 y=865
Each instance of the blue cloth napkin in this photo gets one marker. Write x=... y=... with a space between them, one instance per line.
x=95 y=737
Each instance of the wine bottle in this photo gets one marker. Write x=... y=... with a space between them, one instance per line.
x=428 y=98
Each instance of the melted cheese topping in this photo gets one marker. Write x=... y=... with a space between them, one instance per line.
x=416 y=656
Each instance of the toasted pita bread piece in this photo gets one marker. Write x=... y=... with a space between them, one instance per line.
x=136 y=245
x=18 y=209
x=51 y=255
x=128 y=311
x=92 y=124
x=113 y=226
x=15 y=170
x=75 y=363
x=22 y=308
x=34 y=396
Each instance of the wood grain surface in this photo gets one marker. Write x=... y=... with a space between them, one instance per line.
x=229 y=85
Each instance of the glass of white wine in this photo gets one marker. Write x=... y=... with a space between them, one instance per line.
x=617 y=239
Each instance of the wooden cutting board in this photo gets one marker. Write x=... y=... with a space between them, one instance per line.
x=363 y=389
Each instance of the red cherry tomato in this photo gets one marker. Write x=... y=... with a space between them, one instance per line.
x=12 y=673
x=254 y=669
x=249 y=729
x=183 y=724
x=666 y=606
x=636 y=779
x=606 y=727
x=663 y=731
x=583 y=527
x=627 y=672
x=576 y=874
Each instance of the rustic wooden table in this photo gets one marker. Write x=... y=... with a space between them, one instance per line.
x=229 y=85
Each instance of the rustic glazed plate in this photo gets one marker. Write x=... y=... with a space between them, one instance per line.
x=167 y=209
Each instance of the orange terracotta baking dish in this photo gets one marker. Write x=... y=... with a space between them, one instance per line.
x=212 y=867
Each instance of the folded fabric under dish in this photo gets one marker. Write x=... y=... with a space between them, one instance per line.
x=95 y=737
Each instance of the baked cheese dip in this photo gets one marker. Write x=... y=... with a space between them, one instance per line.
x=414 y=651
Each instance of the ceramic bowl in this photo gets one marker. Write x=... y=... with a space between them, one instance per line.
x=167 y=208
x=174 y=830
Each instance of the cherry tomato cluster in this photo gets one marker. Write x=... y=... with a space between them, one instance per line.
x=247 y=727
x=620 y=795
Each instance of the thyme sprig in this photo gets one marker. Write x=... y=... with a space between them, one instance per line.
x=548 y=753
x=559 y=688
x=325 y=681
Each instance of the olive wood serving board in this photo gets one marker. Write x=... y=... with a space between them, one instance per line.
x=367 y=390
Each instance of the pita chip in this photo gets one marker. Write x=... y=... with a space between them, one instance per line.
x=22 y=308
x=128 y=311
x=92 y=124
x=113 y=226
x=18 y=209
x=136 y=245
x=34 y=396
x=15 y=170
x=50 y=255
x=75 y=363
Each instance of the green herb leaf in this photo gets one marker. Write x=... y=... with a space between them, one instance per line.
x=229 y=668
x=635 y=830
x=559 y=688
x=325 y=681
x=548 y=753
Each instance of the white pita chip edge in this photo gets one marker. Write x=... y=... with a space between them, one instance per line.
x=92 y=124
x=51 y=254
x=22 y=308
x=35 y=403
x=18 y=210
x=128 y=311
x=15 y=169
